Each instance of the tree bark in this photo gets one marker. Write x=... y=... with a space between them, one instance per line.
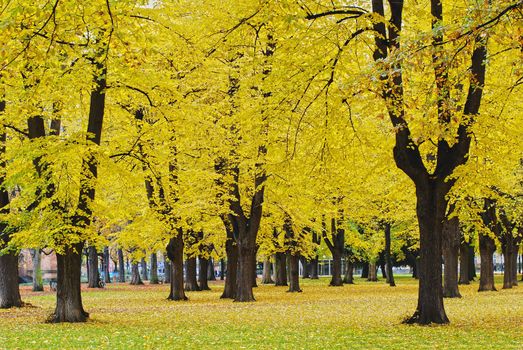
x=365 y=270
x=464 y=273
x=36 y=257
x=231 y=250
x=143 y=265
x=451 y=243
x=336 y=245
x=222 y=269
x=135 y=275
x=106 y=259
x=191 y=282
x=167 y=270
x=294 y=273
x=175 y=254
x=154 y=269
x=314 y=268
x=202 y=276
x=210 y=271
x=373 y=272
x=68 y=289
x=94 y=275
x=121 y=269
x=266 y=275
x=487 y=247
x=280 y=270
x=9 y=291
x=255 y=268
x=349 y=271
x=306 y=267
x=388 y=259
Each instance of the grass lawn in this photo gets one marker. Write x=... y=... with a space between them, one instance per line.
x=362 y=316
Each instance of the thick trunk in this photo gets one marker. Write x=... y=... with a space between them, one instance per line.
x=510 y=251
x=202 y=275
x=9 y=291
x=431 y=207
x=388 y=259
x=472 y=263
x=336 y=280
x=191 y=282
x=231 y=250
x=121 y=267
x=167 y=271
x=254 y=275
x=487 y=247
x=464 y=263
x=365 y=270
x=349 y=272
x=246 y=268
x=106 y=257
x=94 y=276
x=314 y=268
x=266 y=275
x=154 y=269
x=36 y=257
x=210 y=271
x=280 y=270
x=373 y=273
x=69 y=306
x=515 y=266
x=306 y=267
x=175 y=254
x=222 y=269
x=451 y=243
x=143 y=265
x=294 y=273
x=135 y=275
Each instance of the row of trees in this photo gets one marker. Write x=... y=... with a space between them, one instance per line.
x=233 y=128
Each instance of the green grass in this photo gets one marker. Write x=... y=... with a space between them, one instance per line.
x=362 y=316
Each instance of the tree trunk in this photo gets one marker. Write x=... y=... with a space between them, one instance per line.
x=135 y=275
x=143 y=265
x=349 y=272
x=266 y=275
x=280 y=270
x=222 y=269
x=210 y=271
x=167 y=270
x=9 y=291
x=231 y=250
x=515 y=266
x=306 y=267
x=36 y=257
x=464 y=263
x=510 y=251
x=365 y=270
x=314 y=268
x=451 y=243
x=175 y=254
x=294 y=273
x=191 y=282
x=154 y=269
x=487 y=247
x=431 y=208
x=388 y=259
x=373 y=272
x=202 y=276
x=94 y=275
x=121 y=270
x=106 y=259
x=246 y=269
x=254 y=269
x=472 y=263
x=69 y=306
x=336 y=280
